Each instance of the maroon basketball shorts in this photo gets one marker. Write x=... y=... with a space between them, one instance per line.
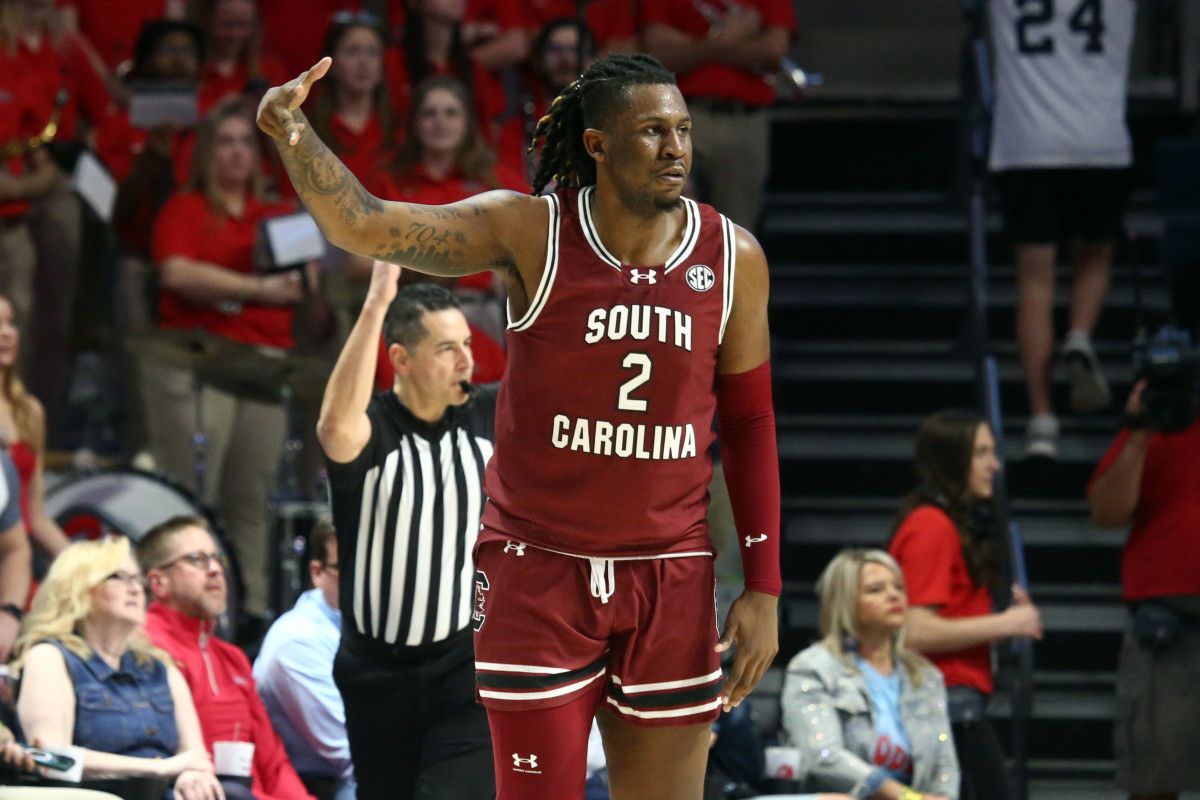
x=550 y=628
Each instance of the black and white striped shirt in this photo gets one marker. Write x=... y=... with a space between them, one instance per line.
x=407 y=512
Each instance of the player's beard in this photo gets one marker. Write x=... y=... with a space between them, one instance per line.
x=646 y=202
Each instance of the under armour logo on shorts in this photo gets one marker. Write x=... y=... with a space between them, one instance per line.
x=511 y=545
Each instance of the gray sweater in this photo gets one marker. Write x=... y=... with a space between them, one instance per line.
x=827 y=715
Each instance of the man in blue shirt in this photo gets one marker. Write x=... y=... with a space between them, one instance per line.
x=14 y=556
x=294 y=672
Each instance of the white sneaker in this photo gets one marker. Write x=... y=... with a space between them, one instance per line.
x=1041 y=437
x=1089 y=389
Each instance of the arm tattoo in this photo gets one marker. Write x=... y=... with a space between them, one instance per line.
x=423 y=247
x=324 y=183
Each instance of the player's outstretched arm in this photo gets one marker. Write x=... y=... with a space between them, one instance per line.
x=746 y=421
x=462 y=238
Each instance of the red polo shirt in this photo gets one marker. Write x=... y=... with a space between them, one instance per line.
x=713 y=80
x=1162 y=555
x=215 y=87
x=49 y=68
x=486 y=88
x=188 y=226
x=928 y=548
x=294 y=32
x=364 y=152
x=112 y=27
x=16 y=119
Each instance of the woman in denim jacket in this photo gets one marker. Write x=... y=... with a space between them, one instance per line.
x=91 y=679
x=868 y=715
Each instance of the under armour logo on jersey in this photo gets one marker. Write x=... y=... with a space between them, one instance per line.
x=481 y=586
x=527 y=765
x=762 y=537
x=511 y=545
x=637 y=276
x=700 y=278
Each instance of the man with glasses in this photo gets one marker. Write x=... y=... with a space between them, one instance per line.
x=294 y=670
x=185 y=570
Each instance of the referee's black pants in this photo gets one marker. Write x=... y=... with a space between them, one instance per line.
x=414 y=727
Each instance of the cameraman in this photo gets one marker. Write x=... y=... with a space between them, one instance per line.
x=1150 y=480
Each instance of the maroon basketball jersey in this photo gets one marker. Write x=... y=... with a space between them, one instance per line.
x=604 y=417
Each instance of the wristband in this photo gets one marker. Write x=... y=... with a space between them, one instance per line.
x=13 y=610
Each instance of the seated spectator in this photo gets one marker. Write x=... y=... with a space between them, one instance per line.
x=432 y=44
x=445 y=159
x=204 y=251
x=91 y=679
x=14 y=557
x=554 y=63
x=610 y=23
x=60 y=86
x=946 y=544
x=149 y=164
x=186 y=574
x=234 y=59
x=867 y=713
x=110 y=29
x=1148 y=481
x=294 y=670
x=23 y=431
x=352 y=113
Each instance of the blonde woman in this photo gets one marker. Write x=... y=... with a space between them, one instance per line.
x=91 y=678
x=868 y=714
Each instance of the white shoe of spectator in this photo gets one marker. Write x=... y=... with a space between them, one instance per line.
x=1089 y=389
x=1041 y=436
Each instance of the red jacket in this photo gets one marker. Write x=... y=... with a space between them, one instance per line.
x=226 y=698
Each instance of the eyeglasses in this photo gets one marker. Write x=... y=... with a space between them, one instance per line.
x=354 y=18
x=130 y=579
x=199 y=560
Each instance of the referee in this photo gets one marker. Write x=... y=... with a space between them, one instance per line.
x=406 y=487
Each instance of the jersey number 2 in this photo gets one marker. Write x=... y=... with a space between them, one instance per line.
x=1087 y=19
x=640 y=362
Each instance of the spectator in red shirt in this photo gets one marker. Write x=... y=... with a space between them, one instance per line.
x=185 y=571
x=203 y=248
x=432 y=44
x=353 y=113
x=25 y=176
x=149 y=165
x=554 y=63
x=445 y=159
x=61 y=84
x=610 y=22
x=722 y=50
x=945 y=543
x=1150 y=480
x=234 y=57
x=111 y=29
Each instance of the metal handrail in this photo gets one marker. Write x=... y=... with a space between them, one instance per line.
x=977 y=103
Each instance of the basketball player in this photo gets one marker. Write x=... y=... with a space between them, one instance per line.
x=634 y=314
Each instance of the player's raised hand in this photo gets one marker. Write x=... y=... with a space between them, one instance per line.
x=753 y=626
x=275 y=115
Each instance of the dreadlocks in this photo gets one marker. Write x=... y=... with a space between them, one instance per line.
x=587 y=103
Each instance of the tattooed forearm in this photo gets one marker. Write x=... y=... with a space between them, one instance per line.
x=324 y=184
x=423 y=247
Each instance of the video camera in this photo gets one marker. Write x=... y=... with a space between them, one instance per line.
x=1170 y=364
